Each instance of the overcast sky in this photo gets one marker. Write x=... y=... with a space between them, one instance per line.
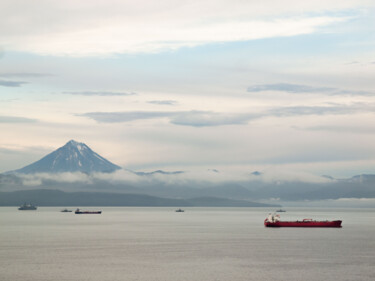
x=277 y=85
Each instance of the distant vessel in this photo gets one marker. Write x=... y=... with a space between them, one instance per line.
x=78 y=211
x=280 y=211
x=66 y=211
x=274 y=221
x=180 y=211
x=27 y=207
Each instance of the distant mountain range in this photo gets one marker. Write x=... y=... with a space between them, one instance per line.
x=156 y=172
x=72 y=157
x=254 y=190
x=75 y=157
x=45 y=197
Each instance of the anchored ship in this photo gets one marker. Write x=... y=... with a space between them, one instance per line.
x=274 y=221
x=27 y=207
x=78 y=211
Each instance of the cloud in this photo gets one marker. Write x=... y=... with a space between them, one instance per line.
x=322 y=110
x=207 y=118
x=196 y=179
x=117 y=27
x=196 y=118
x=118 y=177
x=40 y=178
x=6 y=83
x=186 y=118
x=289 y=88
x=135 y=179
x=163 y=102
x=341 y=129
x=352 y=62
x=14 y=119
x=283 y=175
x=100 y=93
x=354 y=93
x=25 y=74
x=213 y=170
x=301 y=89
x=116 y=117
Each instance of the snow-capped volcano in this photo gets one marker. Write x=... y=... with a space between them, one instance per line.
x=72 y=157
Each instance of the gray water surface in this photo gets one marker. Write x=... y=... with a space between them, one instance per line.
x=199 y=244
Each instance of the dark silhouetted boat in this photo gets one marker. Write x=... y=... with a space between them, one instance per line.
x=180 y=211
x=78 y=211
x=27 y=207
x=274 y=221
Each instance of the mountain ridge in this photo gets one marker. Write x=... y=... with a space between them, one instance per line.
x=47 y=197
x=72 y=157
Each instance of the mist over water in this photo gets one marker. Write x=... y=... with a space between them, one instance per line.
x=199 y=244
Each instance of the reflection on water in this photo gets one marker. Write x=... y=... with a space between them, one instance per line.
x=198 y=244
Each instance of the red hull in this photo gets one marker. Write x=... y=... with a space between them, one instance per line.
x=304 y=223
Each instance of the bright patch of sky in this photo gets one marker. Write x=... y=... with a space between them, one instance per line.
x=171 y=84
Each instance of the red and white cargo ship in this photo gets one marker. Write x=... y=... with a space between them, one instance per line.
x=274 y=221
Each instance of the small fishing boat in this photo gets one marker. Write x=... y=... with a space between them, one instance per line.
x=180 y=211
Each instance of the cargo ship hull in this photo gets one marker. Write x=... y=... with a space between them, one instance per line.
x=87 y=212
x=79 y=212
x=304 y=223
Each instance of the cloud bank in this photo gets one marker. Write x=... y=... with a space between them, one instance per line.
x=15 y=119
x=197 y=118
x=302 y=89
x=6 y=83
x=201 y=177
x=118 y=27
x=163 y=102
x=192 y=118
x=289 y=88
x=25 y=74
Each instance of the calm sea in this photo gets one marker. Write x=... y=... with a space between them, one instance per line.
x=199 y=244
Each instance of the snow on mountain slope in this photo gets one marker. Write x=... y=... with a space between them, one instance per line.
x=72 y=157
